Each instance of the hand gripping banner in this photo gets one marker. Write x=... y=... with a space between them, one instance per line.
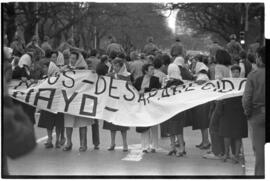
x=83 y=93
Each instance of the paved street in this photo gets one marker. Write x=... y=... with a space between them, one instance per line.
x=102 y=162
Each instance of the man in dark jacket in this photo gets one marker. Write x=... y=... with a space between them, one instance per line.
x=254 y=106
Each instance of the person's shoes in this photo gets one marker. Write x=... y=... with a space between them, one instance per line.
x=67 y=148
x=198 y=146
x=180 y=154
x=236 y=159
x=153 y=150
x=96 y=148
x=172 y=152
x=48 y=145
x=57 y=144
x=205 y=147
x=82 y=148
x=211 y=156
x=111 y=148
x=125 y=150
x=145 y=151
x=62 y=141
x=225 y=158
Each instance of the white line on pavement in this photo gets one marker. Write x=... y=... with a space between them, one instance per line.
x=44 y=138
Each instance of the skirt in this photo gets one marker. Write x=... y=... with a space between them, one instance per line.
x=49 y=120
x=201 y=118
x=113 y=127
x=76 y=122
x=174 y=125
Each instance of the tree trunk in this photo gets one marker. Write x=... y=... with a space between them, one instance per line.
x=11 y=24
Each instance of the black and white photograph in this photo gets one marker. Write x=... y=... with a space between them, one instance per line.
x=133 y=90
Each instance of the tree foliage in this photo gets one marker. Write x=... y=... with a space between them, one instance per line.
x=130 y=23
x=221 y=19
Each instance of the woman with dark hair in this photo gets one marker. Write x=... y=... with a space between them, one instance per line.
x=119 y=72
x=146 y=83
x=222 y=70
x=166 y=60
x=223 y=59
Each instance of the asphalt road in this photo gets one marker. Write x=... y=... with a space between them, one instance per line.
x=44 y=162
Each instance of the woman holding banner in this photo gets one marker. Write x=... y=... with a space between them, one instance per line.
x=174 y=126
x=120 y=72
x=77 y=62
x=201 y=117
x=146 y=83
x=48 y=119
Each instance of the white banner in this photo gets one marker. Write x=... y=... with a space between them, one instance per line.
x=83 y=93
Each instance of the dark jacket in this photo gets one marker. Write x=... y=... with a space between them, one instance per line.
x=154 y=84
x=254 y=95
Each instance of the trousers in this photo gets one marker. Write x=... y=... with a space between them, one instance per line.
x=257 y=123
x=95 y=133
x=149 y=138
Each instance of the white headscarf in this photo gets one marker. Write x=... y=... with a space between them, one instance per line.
x=179 y=61
x=25 y=60
x=200 y=66
x=123 y=71
x=53 y=69
x=81 y=62
x=60 y=59
x=174 y=72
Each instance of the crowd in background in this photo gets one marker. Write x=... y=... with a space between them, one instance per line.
x=224 y=122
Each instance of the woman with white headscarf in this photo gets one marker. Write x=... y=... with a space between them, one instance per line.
x=174 y=126
x=201 y=113
x=77 y=62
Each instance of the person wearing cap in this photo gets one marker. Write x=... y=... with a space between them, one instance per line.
x=18 y=46
x=114 y=49
x=150 y=48
x=177 y=48
x=234 y=48
x=34 y=46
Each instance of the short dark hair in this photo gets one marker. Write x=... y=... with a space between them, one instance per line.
x=54 y=52
x=223 y=57
x=75 y=53
x=236 y=67
x=119 y=61
x=103 y=58
x=93 y=52
x=113 y=54
x=121 y=55
x=166 y=59
x=251 y=58
x=261 y=53
x=157 y=62
x=145 y=68
x=243 y=54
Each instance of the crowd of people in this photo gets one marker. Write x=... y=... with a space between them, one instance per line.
x=224 y=122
